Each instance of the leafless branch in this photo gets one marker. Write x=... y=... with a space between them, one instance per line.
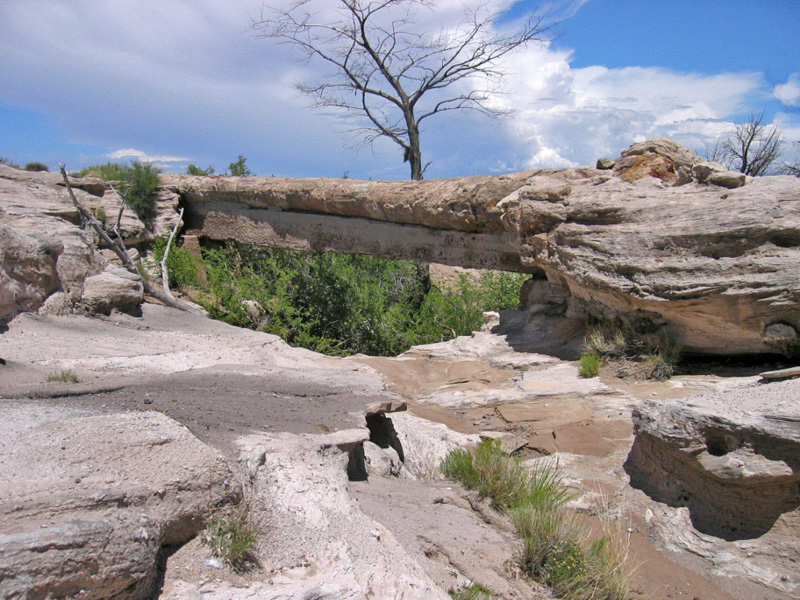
x=118 y=247
x=387 y=73
x=752 y=147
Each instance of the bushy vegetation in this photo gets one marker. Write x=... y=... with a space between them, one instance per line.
x=628 y=354
x=239 y=167
x=195 y=170
x=138 y=183
x=335 y=303
x=36 y=166
x=590 y=365
x=553 y=545
x=8 y=162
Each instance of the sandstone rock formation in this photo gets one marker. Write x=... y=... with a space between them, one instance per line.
x=48 y=262
x=662 y=241
x=90 y=499
x=732 y=460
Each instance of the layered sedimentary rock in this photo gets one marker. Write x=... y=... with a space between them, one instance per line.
x=50 y=262
x=659 y=240
x=732 y=460
x=85 y=512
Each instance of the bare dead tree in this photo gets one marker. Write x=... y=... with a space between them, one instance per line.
x=793 y=168
x=391 y=76
x=752 y=148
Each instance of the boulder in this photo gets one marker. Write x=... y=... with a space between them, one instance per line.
x=320 y=543
x=114 y=288
x=89 y=499
x=731 y=460
x=48 y=261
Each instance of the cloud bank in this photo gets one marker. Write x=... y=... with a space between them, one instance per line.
x=178 y=82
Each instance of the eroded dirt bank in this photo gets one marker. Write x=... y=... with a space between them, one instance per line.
x=283 y=421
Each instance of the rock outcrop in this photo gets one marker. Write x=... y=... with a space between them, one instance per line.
x=732 y=460
x=49 y=262
x=87 y=511
x=659 y=240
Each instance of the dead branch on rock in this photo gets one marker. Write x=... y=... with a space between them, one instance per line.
x=118 y=247
x=164 y=271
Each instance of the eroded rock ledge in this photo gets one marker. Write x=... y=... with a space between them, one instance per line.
x=659 y=239
x=732 y=459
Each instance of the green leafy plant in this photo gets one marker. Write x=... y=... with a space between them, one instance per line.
x=475 y=591
x=231 y=537
x=141 y=190
x=63 y=376
x=239 y=167
x=590 y=366
x=335 y=303
x=8 y=162
x=195 y=170
x=138 y=183
x=36 y=166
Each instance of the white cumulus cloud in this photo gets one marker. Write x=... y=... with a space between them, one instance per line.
x=132 y=153
x=789 y=92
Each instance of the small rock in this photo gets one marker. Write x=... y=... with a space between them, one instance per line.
x=728 y=179
x=214 y=563
x=605 y=163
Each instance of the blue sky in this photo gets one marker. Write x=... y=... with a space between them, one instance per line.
x=179 y=82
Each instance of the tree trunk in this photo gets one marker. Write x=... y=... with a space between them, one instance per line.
x=413 y=152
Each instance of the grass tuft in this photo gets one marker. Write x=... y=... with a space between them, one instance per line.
x=474 y=591
x=231 y=537
x=63 y=376
x=553 y=545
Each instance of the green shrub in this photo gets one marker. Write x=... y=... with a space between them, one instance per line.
x=138 y=183
x=239 y=168
x=195 y=170
x=501 y=479
x=185 y=271
x=337 y=303
x=107 y=172
x=231 y=537
x=141 y=190
x=64 y=376
x=552 y=549
x=36 y=166
x=8 y=162
x=590 y=365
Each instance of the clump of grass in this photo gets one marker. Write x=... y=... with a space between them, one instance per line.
x=553 y=548
x=63 y=376
x=231 y=537
x=628 y=354
x=590 y=365
x=472 y=592
x=502 y=480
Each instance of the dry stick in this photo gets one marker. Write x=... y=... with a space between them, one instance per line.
x=119 y=249
x=164 y=272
